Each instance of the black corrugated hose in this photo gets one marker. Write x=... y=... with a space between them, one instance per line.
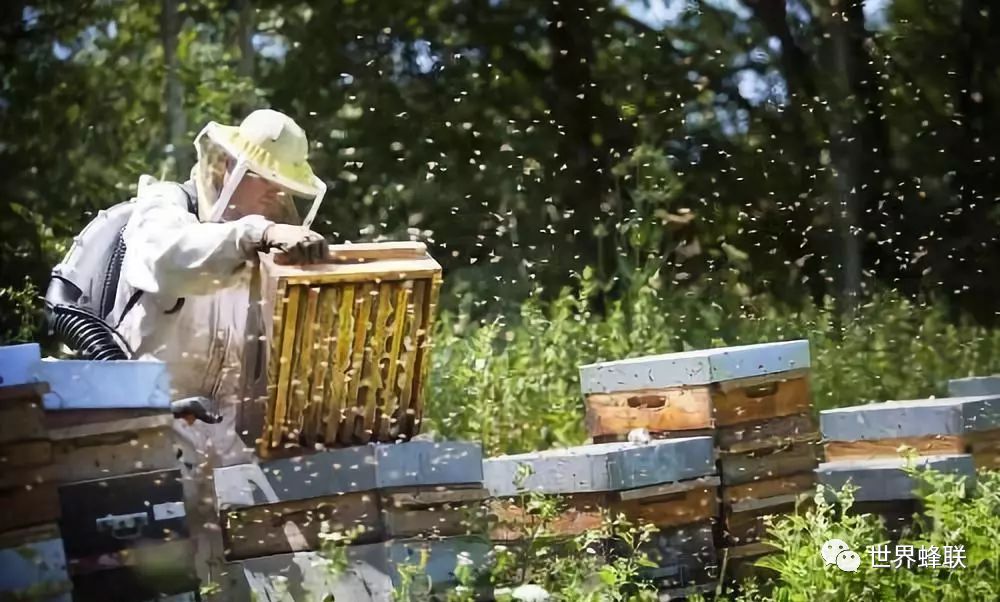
x=77 y=328
x=88 y=335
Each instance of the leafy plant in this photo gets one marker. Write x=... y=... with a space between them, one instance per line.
x=955 y=514
x=514 y=383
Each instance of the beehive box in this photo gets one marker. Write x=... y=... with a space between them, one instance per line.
x=348 y=346
x=953 y=425
x=378 y=491
x=886 y=479
x=753 y=400
x=696 y=390
x=975 y=385
x=665 y=483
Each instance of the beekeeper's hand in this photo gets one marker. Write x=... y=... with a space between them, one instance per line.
x=299 y=243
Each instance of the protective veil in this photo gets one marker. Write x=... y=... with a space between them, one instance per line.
x=199 y=310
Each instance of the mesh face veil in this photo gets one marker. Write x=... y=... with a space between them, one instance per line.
x=268 y=145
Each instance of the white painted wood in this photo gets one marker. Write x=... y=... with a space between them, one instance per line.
x=912 y=418
x=602 y=467
x=885 y=479
x=16 y=363
x=977 y=385
x=689 y=368
x=84 y=384
x=358 y=468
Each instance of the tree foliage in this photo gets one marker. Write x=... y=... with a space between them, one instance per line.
x=802 y=147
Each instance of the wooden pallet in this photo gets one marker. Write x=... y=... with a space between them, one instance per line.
x=349 y=345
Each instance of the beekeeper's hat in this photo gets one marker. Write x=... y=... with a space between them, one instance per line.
x=267 y=143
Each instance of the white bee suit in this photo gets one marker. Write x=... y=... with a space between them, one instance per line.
x=189 y=291
x=197 y=312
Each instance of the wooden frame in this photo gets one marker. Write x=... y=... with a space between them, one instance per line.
x=349 y=346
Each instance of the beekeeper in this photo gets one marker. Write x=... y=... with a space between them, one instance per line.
x=189 y=293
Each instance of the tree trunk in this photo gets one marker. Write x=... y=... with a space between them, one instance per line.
x=176 y=126
x=846 y=151
x=804 y=123
x=969 y=229
x=579 y=111
x=245 y=69
x=246 y=31
x=857 y=143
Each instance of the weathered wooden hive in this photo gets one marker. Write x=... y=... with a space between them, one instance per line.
x=348 y=345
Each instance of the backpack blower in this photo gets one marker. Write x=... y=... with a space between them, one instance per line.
x=83 y=290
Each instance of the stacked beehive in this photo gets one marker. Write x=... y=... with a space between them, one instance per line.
x=753 y=400
x=32 y=559
x=123 y=518
x=867 y=444
x=394 y=500
x=666 y=483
